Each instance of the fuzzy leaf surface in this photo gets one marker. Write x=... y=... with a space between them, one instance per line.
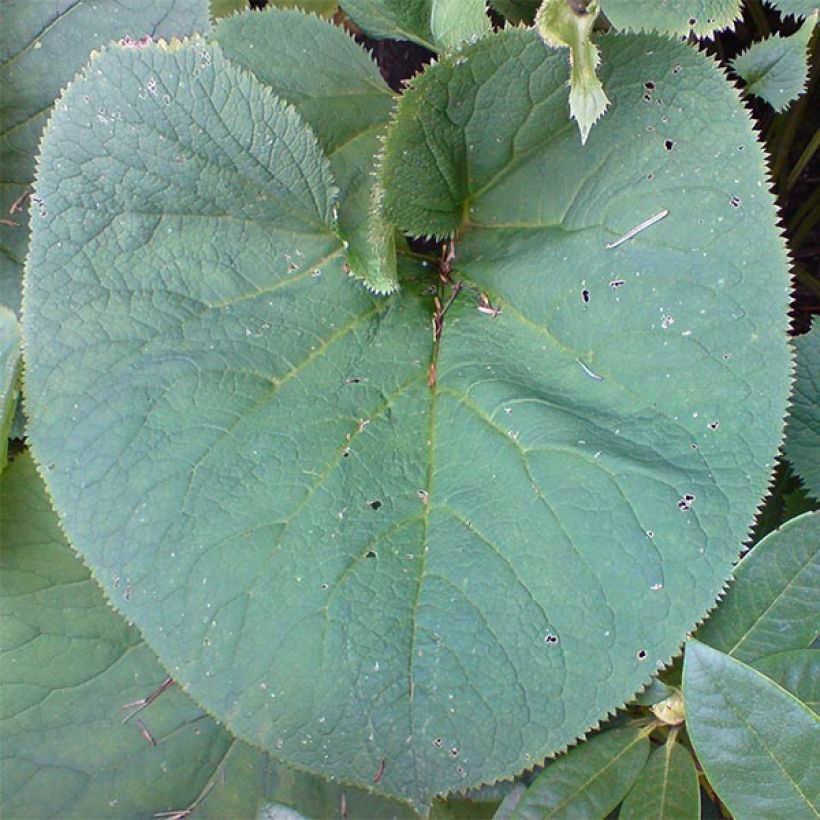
x=797 y=671
x=802 y=445
x=42 y=47
x=772 y=604
x=672 y=16
x=9 y=364
x=337 y=88
x=757 y=744
x=70 y=663
x=421 y=576
x=776 y=69
x=666 y=788
x=590 y=780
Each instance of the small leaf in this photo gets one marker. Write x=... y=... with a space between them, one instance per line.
x=335 y=85
x=776 y=69
x=667 y=787
x=589 y=780
x=802 y=445
x=561 y=26
x=703 y=17
x=797 y=671
x=9 y=363
x=757 y=744
x=455 y=21
x=771 y=605
x=43 y=46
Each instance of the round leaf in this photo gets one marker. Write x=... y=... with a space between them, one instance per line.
x=377 y=569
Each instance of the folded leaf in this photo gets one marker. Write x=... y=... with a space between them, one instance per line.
x=756 y=743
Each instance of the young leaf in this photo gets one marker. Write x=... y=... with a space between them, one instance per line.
x=757 y=744
x=43 y=46
x=589 y=780
x=434 y=24
x=772 y=603
x=9 y=362
x=666 y=788
x=337 y=88
x=560 y=25
x=802 y=446
x=305 y=490
x=70 y=663
x=797 y=671
x=776 y=69
x=703 y=17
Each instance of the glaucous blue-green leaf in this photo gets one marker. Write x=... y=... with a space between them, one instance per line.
x=772 y=604
x=757 y=744
x=799 y=8
x=9 y=364
x=70 y=663
x=797 y=671
x=666 y=788
x=654 y=693
x=590 y=780
x=802 y=445
x=561 y=26
x=776 y=69
x=434 y=24
x=335 y=85
x=42 y=46
x=672 y=16
x=369 y=552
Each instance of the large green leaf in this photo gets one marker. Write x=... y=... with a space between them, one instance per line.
x=42 y=46
x=772 y=604
x=9 y=362
x=803 y=431
x=69 y=663
x=757 y=744
x=434 y=24
x=337 y=88
x=590 y=780
x=439 y=584
x=672 y=16
x=667 y=788
x=797 y=671
x=801 y=8
x=777 y=68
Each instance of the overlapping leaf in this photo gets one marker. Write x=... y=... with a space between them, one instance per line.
x=757 y=743
x=337 y=88
x=9 y=362
x=797 y=671
x=372 y=567
x=42 y=47
x=772 y=604
x=672 y=16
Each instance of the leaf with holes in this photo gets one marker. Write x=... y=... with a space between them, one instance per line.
x=424 y=560
x=776 y=69
x=756 y=743
x=672 y=16
x=70 y=663
x=772 y=604
x=337 y=88
x=43 y=46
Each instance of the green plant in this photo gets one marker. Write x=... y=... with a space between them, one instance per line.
x=411 y=517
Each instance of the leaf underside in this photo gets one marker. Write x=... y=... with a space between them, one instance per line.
x=348 y=566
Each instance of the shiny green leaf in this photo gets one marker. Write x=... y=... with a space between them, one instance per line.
x=756 y=743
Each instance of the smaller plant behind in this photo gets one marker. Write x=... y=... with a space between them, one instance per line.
x=409 y=434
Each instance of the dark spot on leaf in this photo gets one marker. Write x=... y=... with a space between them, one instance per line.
x=353 y=380
x=735 y=201
x=641 y=654
x=585 y=295
x=375 y=504
x=669 y=144
x=370 y=554
x=649 y=85
x=616 y=283
x=454 y=752
x=713 y=425
x=437 y=743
